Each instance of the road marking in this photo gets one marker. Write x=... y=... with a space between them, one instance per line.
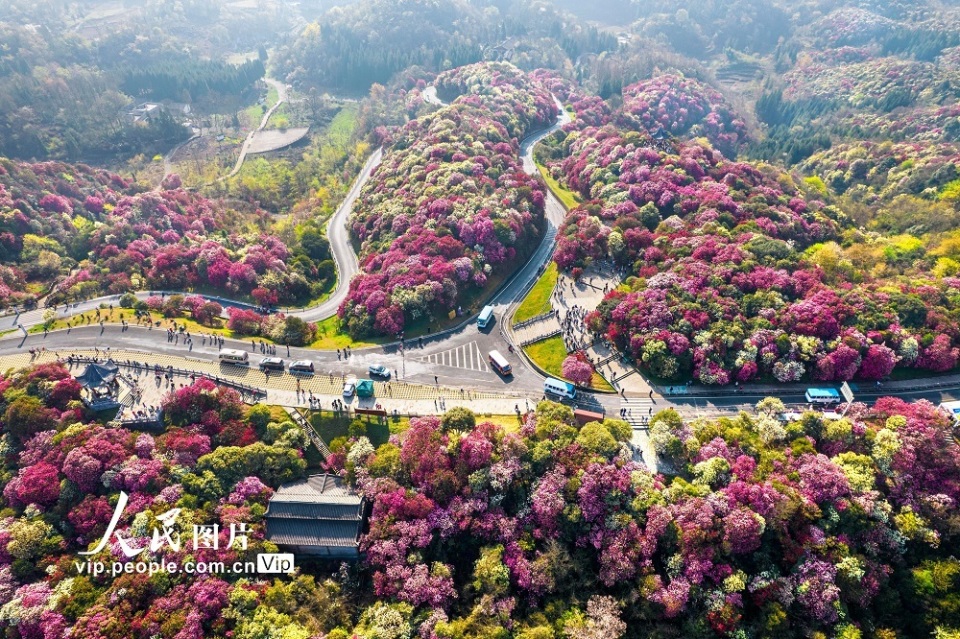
x=465 y=356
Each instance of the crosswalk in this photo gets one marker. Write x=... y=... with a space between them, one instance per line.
x=468 y=356
x=637 y=411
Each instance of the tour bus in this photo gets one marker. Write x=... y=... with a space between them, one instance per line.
x=827 y=396
x=500 y=363
x=485 y=316
x=234 y=356
x=559 y=388
x=304 y=366
x=953 y=409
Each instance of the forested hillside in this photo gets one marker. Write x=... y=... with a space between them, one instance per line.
x=66 y=86
x=367 y=42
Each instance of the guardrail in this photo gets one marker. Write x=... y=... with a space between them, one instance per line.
x=533 y=320
x=307 y=427
x=540 y=338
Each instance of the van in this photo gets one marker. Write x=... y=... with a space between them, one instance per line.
x=234 y=356
x=486 y=315
x=500 y=363
x=825 y=396
x=559 y=388
x=303 y=366
x=271 y=364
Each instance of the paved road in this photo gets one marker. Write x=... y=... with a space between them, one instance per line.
x=343 y=254
x=455 y=367
x=282 y=97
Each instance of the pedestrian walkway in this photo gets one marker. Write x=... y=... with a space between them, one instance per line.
x=576 y=299
x=468 y=356
x=545 y=327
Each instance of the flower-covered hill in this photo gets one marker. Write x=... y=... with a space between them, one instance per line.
x=682 y=107
x=737 y=274
x=84 y=231
x=812 y=528
x=62 y=475
x=449 y=206
x=512 y=99
x=884 y=83
x=876 y=172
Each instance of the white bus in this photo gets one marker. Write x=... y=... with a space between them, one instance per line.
x=234 y=356
x=826 y=396
x=500 y=363
x=485 y=316
x=559 y=388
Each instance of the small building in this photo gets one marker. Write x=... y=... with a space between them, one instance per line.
x=584 y=417
x=319 y=516
x=146 y=111
x=101 y=390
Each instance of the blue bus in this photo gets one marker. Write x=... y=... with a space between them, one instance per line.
x=485 y=316
x=559 y=388
x=826 y=396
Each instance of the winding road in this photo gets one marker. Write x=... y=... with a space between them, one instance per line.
x=455 y=358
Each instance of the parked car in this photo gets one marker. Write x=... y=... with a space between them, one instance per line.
x=271 y=363
x=379 y=370
x=302 y=366
x=349 y=388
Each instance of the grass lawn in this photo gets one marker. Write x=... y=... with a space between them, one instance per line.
x=329 y=338
x=114 y=316
x=331 y=426
x=537 y=300
x=549 y=355
x=570 y=199
x=254 y=112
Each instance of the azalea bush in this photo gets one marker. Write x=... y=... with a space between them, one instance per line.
x=812 y=526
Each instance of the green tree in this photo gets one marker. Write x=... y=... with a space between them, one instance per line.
x=595 y=437
x=459 y=419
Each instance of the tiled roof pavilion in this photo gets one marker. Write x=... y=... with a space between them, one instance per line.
x=318 y=516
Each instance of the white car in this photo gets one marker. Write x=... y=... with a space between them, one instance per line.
x=349 y=388
x=379 y=370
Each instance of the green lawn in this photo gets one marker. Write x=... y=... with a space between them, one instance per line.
x=537 y=301
x=254 y=112
x=329 y=426
x=329 y=338
x=118 y=314
x=549 y=355
x=569 y=199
